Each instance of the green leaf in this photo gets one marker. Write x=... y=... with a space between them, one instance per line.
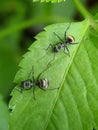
x=4 y=116
x=96 y=17
x=75 y=105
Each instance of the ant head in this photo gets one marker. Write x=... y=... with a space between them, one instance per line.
x=70 y=39
x=44 y=83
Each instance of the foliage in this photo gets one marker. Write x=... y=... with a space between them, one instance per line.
x=16 y=32
x=68 y=73
x=4 y=116
x=74 y=105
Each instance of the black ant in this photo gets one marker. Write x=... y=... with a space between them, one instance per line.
x=41 y=83
x=62 y=44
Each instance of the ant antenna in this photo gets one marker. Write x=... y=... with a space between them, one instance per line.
x=66 y=31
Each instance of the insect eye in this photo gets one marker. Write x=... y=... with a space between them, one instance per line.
x=70 y=39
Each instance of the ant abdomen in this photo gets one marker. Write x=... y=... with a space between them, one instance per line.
x=43 y=83
x=70 y=39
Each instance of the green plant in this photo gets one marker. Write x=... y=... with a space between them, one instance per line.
x=4 y=115
x=74 y=105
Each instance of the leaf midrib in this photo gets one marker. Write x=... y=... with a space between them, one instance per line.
x=65 y=74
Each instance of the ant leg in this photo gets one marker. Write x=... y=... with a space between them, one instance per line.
x=73 y=43
x=42 y=89
x=50 y=45
x=34 y=93
x=41 y=73
x=58 y=37
x=48 y=89
x=46 y=68
x=66 y=48
x=19 y=90
x=66 y=31
x=53 y=88
x=33 y=74
x=51 y=60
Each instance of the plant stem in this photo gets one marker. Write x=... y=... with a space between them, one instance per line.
x=82 y=9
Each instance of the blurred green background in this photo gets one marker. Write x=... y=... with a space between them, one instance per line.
x=20 y=21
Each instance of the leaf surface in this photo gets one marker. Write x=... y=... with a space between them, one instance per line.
x=75 y=105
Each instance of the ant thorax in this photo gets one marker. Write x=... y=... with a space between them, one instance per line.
x=58 y=47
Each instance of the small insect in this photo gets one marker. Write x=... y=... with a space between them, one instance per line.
x=62 y=44
x=41 y=83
